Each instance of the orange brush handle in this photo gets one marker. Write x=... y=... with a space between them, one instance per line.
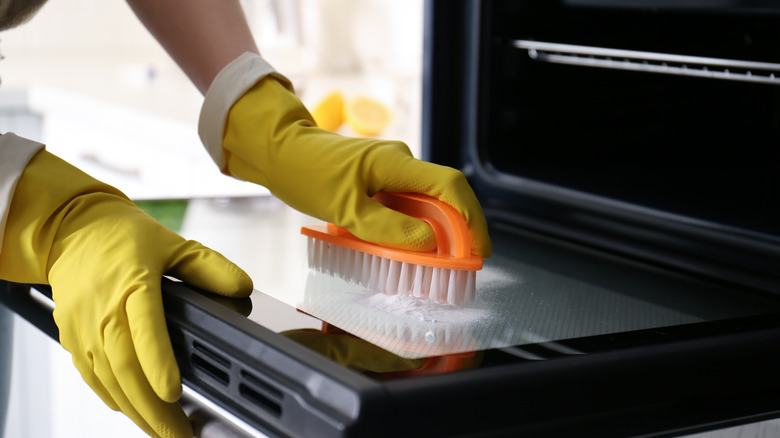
x=453 y=240
x=450 y=228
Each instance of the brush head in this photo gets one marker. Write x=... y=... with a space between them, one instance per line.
x=392 y=276
x=408 y=327
x=445 y=275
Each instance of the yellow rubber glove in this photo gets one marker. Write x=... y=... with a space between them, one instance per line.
x=270 y=139
x=104 y=259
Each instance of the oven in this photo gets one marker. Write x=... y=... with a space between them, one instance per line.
x=626 y=156
x=646 y=128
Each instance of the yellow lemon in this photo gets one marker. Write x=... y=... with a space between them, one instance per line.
x=329 y=113
x=366 y=116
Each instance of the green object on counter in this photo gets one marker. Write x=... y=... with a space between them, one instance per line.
x=169 y=212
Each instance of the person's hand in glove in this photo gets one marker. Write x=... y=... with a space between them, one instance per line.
x=268 y=137
x=104 y=259
x=257 y=130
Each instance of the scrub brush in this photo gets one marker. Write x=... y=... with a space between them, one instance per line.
x=445 y=275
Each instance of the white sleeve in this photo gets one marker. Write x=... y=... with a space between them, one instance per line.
x=232 y=82
x=15 y=153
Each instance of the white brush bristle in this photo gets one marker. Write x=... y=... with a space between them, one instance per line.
x=392 y=277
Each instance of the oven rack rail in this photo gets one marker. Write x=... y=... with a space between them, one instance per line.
x=652 y=62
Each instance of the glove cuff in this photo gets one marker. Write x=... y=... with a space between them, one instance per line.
x=230 y=84
x=15 y=153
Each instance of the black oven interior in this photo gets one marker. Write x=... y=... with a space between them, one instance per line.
x=644 y=127
x=660 y=133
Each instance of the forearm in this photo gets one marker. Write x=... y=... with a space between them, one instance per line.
x=202 y=36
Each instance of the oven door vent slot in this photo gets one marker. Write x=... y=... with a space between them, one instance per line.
x=209 y=362
x=261 y=393
x=204 y=365
x=652 y=62
x=260 y=400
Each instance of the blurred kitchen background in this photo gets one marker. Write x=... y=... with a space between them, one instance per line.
x=86 y=78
